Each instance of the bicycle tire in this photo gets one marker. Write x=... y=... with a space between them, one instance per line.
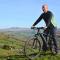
x=30 y=50
x=51 y=45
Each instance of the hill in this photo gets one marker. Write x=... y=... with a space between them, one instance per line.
x=12 y=42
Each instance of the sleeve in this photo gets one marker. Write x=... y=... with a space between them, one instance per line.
x=38 y=20
x=50 y=18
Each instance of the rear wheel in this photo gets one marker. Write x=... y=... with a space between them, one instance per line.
x=32 y=48
x=52 y=46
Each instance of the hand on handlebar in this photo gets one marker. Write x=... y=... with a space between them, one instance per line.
x=32 y=27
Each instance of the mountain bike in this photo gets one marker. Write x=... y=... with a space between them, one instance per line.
x=34 y=46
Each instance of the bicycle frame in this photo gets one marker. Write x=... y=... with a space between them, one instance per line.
x=39 y=33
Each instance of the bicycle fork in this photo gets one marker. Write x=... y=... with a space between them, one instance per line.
x=36 y=42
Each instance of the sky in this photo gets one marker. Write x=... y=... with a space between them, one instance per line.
x=23 y=13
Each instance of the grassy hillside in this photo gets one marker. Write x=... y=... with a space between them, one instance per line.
x=12 y=45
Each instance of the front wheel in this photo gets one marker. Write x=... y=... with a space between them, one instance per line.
x=32 y=48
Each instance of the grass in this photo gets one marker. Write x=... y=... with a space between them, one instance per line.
x=20 y=57
x=49 y=57
x=17 y=50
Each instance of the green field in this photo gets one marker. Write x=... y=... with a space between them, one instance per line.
x=12 y=47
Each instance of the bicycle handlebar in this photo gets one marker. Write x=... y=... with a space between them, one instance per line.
x=38 y=28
